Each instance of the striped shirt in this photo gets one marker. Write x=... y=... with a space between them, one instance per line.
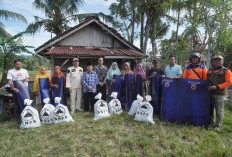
x=89 y=79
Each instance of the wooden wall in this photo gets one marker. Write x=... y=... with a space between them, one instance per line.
x=91 y=36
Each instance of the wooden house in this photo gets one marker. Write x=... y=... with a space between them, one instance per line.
x=87 y=41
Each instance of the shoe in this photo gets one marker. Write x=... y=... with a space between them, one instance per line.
x=79 y=109
x=217 y=128
x=72 y=112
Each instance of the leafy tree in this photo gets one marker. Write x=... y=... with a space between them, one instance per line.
x=59 y=13
x=9 y=48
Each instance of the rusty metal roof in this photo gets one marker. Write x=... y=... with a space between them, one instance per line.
x=83 y=51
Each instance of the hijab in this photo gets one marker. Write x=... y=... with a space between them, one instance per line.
x=40 y=75
x=111 y=73
x=60 y=74
x=139 y=72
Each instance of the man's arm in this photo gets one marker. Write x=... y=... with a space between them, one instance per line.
x=27 y=76
x=228 y=80
x=68 y=79
x=84 y=82
x=185 y=76
x=179 y=73
x=204 y=74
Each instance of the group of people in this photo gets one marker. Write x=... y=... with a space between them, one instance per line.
x=98 y=78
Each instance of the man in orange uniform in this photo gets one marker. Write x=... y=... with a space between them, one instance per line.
x=195 y=70
x=220 y=78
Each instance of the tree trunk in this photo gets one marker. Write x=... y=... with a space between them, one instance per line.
x=132 y=23
x=141 y=30
x=177 y=25
x=147 y=30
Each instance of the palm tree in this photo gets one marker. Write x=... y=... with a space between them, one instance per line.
x=4 y=14
x=58 y=14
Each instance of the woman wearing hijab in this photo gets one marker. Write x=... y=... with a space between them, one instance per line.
x=113 y=79
x=36 y=90
x=127 y=86
x=57 y=84
x=139 y=78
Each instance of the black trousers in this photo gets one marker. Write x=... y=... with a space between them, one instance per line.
x=102 y=89
x=89 y=97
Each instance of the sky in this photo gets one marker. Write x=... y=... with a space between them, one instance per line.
x=25 y=8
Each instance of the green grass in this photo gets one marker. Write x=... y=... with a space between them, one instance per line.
x=118 y=135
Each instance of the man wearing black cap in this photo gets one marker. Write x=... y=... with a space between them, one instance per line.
x=73 y=83
x=220 y=78
x=155 y=71
x=89 y=83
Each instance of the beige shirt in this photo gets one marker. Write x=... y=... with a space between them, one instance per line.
x=73 y=78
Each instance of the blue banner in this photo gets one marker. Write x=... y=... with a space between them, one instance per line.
x=138 y=85
x=45 y=91
x=156 y=93
x=185 y=101
x=24 y=93
x=60 y=91
x=117 y=86
x=127 y=91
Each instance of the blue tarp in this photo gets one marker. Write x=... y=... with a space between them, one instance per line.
x=24 y=93
x=45 y=91
x=138 y=85
x=117 y=86
x=127 y=97
x=60 y=91
x=156 y=93
x=185 y=101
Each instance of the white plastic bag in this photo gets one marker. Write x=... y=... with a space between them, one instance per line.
x=29 y=116
x=47 y=112
x=115 y=104
x=61 y=113
x=145 y=111
x=100 y=108
x=135 y=105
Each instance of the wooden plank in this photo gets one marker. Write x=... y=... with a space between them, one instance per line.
x=52 y=64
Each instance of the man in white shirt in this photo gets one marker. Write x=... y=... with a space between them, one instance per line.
x=17 y=74
x=73 y=83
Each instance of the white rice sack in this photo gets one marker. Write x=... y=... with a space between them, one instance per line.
x=47 y=112
x=145 y=111
x=29 y=116
x=100 y=108
x=61 y=113
x=114 y=105
x=135 y=105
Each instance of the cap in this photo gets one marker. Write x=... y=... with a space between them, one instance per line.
x=195 y=54
x=89 y=63
x=155 y=61
x=75 y=59
x=218 y=56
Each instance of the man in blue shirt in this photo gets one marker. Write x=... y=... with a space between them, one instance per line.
x=89 y=83
x=173 y=70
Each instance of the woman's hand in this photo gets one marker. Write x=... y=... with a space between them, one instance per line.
x=16 y=90
x=36 y=93
x=112 y=80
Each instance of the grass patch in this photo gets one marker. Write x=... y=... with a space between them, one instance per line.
x=118 y=135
